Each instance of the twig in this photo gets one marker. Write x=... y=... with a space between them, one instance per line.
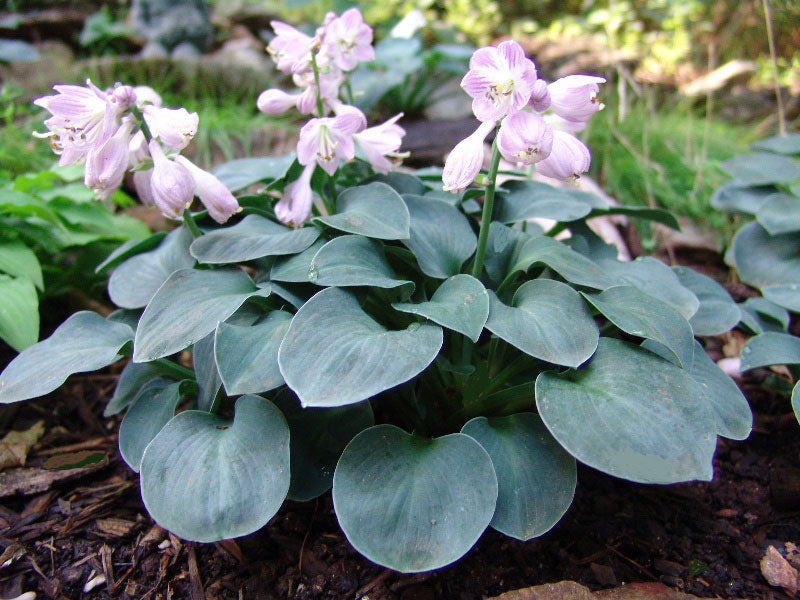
x=633 y=562
x=774 y=59
x=86 y=444
x=373 y=584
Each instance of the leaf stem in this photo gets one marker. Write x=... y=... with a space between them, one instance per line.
x=174 y=369
x=191 y=224
x=486 y=215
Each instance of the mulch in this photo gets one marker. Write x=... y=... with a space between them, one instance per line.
x=63 y=532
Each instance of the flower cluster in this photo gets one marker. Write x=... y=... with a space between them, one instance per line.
x=505 y=89
x=319 y=66
x=126 y=129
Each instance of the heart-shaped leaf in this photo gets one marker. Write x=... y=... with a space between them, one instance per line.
x=460 y=303
x=295 y=269
x=638 y=314
x=335 y=354
x=655 y=279
x=208 y=479
x=764 y=260
x=19 y=312
x=352 y=260
x=535 y=476
x=133 y=377
x=206 y=373
x=253 y=237
x=318 y=436
x=770 y=349
x=760 y=168
x=134 y=282
x=780 y=213
x=717 y=312
x=572 y=266
x=374 y=210
x=631 y=414
x=732 y=197
x=787 y=295
x=441 y=237
x=247 y=356
x=152 y=408
x=411 y=503
x=784 y=144
x=188 y=307
x=548 y=320
x=84 y=342
x=534 y=199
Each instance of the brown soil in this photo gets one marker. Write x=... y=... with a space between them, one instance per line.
x=704 y=538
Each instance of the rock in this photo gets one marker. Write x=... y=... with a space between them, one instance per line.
x=563 y=590
x=668 y=567
x=778 y=572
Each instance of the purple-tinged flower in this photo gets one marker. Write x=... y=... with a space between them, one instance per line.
x=290 y=48
x=348 y=40
x=138 y=151
x=568 y=159
x=328 y=140
x=465 y=160
x=294 y=208
x=124 y=96
x=574 y=97
x=525 y=137
x=141 y=182
x=107 y=163
x=171 y=184
x=175 y=127
x=500 y=80
x=275 y=101
x=217 y=198
x=146 y=95
x=540 y=96
x=562 y=124
x=330 y=78
x=381 y=143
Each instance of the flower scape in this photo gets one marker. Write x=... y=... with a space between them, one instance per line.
x=410 y=340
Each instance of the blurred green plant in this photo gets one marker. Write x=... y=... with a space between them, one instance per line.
x=103 y=33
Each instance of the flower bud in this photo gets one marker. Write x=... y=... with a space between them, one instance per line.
x=574 y=97
x=465 y=160
x=174 y=127
x=217 y=198
x=525 y=137
x=171 y=184
x=540 y=96
x=568 y=159
x=106 y=164
x=295 y=206
x=139 y=153
x=275 y=101
x=123 y=96
x=141 y=182
x=146 y=95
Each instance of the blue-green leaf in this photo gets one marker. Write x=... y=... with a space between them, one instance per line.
x=572 y=266
x=133 y=377
x=206 y=373
x=352 y=260
x=765 y=260
x=374 y=210
x=240 y=173
x=760 y=168
x=786 y=295
x=717 y=312
x=534 y=199
x=295 y=269
x=780 y=213
x=770 y=349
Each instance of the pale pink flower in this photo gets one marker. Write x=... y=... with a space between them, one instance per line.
x=500 y=80
x=107 y=163
x=330 y=78
x=568 y=159
x=540 y=96
x=294 y=208
x=574 y=97
x=275 y=101
x=175 y=127
x=217 y=198
x=290 y=48
x=348 y=40
x=328 y=140
x=124 y=96
x=171 y=184
x=141 y=182
x=562 y=124
x=381 y=144
x=146 y=95
x=525 y=137
x=138 y=151
x=465 y=160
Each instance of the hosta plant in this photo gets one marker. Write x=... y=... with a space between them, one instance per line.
x=766 y=185
x=409 y=340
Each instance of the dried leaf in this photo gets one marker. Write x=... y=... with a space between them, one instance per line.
x=15 y=445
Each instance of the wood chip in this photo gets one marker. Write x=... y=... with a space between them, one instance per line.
x=194 y=576
x=115 y=527
x=33 y=480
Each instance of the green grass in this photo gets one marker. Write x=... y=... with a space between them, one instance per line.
x=666 y=158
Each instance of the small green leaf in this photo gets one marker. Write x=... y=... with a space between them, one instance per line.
x=335 y=354
x=441 y=237
x=135 y=281
x=534 y=199
x=188 y=307
x=152 y=408
x=638 y=314
x=133 y=377
x=717 y=312
x=18 y=260
x=780 y=213
x=352 y=260
x=374 y=210
x=247 y=356
x=318 y=436
x=208 y=479
x=460 y=303
x=631 y=414
x=84 y=342
x=787 y=295
x=253 y=237
x=760 y=168
x=535 y=476
x=770 y=349
x=19 y=312
x=410 y=503
x=548 y=320
x=765 y=260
